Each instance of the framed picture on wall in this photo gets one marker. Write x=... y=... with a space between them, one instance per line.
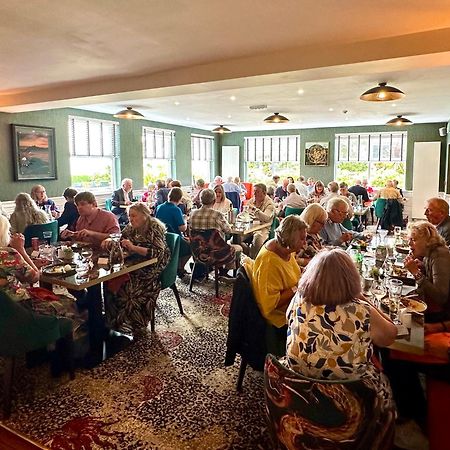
x=34 y=153
x=316 y=154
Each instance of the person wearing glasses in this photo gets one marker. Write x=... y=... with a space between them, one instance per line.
x=315 y=217
x=333 y=232
x=39 y=195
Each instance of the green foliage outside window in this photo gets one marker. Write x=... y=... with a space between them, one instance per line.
x=378 y=173
x=156 y=169
x=260 y=172
x=95 y=180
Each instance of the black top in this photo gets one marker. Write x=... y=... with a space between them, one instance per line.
x=281 y=193
x=359 y=190
x=69 y=216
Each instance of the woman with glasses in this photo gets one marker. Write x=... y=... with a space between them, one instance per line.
x=315 y=217
x=39 y=195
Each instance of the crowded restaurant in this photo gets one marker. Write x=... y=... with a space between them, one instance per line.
x=225 y=243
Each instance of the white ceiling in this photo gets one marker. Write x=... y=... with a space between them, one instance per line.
x=181 y=61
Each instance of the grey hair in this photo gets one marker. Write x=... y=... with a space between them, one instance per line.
x=34 y=190
x=333 y=186
x=207 y=197
x=330 y=278
x=291 y=187
x=441 y=204
x=4 y=231
x=336 y=201
x=312 y=213
x=261 y=186
x=286 y=232
x=427 y=232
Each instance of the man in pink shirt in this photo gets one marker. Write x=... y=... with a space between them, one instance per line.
x=94 y=224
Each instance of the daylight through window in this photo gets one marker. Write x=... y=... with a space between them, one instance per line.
x=201 y=157
x=159 y=153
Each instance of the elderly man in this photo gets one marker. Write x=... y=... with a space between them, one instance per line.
x=281 y=191
x=261 y=207
x=294 y=200
x=358 y=190
x=121 y=198
x=334 y=233
x=437 y=213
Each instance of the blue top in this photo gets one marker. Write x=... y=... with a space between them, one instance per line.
x=171 y=215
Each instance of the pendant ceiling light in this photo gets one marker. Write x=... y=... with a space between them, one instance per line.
x=399 y=121
x=276 y=118
x=382 y=93
x=129 y=113
x=221 y=130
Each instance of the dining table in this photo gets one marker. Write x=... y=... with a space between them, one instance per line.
x=241 y=230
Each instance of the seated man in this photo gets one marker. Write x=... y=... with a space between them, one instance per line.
x=437 y=213
x=334 y=233
x=172 y=217
x=261 y=207
x=281 y=191
x=294 y=200
x=121 y=198
x=186 y=202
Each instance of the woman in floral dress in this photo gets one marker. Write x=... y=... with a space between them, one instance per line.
x=132 y=305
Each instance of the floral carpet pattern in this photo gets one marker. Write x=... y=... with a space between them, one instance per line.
x=166 y=391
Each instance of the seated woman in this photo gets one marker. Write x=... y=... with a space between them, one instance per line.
x=222 y=204
x=199 y=186
x=274 y=276
x=149 y=195
x=318 y=193
x=133 y=305
x=315 y=217
x=26 y=213
x=330 y=330
x=18 y=273
x=70 y=213
x=39 y=195
x=429 y=263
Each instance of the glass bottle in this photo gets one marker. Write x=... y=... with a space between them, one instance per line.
x=115 y=252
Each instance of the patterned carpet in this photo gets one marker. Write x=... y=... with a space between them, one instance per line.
x=166 y=391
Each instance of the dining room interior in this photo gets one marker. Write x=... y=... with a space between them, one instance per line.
x=96 y=93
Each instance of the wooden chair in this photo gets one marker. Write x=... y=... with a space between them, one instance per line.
x=22 y=331
x=37 y=230
x=324 y=414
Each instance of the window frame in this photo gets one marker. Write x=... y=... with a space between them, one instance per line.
x=195 y=137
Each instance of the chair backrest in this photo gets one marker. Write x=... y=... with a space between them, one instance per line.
x=379 y=207
x=108 y=204
x=274 y=226
x=209 y=248
x=37 y=230
x=249 y=187
x=316 y=414
x=246 y=325
x=289 y=210
x=234 y=199
x=22 y=330
x=169 y=274
x=347 y=223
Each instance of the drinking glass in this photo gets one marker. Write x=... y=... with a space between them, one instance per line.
x=378 y=290
x=383 y=234
x=397 y=232
x=47 y=235
x=46 y=252
x=395 y=290
x=87 y=253
x=82 y=270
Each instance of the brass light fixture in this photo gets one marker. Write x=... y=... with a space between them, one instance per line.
x=399 y=121
x=221 y=130
x=382 y=93
x=129 y=113
x=276 y=118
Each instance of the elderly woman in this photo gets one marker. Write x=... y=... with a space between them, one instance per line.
x=133 y=305
x=315 y=217
x=429 y=263
x=274 y=275
x=26 y=213
x=39 y=195
x=222 y=204
x=318 y=193
x=149 y=195
x=388 y=192
x=330 y=331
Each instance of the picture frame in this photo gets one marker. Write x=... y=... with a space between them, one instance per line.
x=34 y=152
x=317 y=154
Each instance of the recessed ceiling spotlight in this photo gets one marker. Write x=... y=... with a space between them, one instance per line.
x=330 y=109
x=188 y=118
x=176 y=103
x=394 y=105
x=300 y=91
x=229 y=116
x=233 y=98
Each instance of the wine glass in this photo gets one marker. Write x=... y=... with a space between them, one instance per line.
x=86 y=253
x=378 y=290
x=47 y=235
x=82 y=270
x=383 y=234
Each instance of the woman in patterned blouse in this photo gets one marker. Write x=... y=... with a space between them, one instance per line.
x=330 y=330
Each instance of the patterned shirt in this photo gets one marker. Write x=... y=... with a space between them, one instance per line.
x=328 y=341
x=13 y=267
x=207 y=218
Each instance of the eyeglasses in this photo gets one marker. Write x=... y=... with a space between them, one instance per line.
x=340 y=212
x=319 y=222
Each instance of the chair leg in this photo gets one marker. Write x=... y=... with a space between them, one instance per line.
x=216 y=279
x=8 y=377
x=241 y=375
x=152 y=318
x=177 y=296
x=192 y=277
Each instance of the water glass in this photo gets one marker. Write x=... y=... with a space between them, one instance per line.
x=46 y=252
x=47 y=235
x=397 y=232
x=378 y=290
x=82 y=270
x=395 y=291
x=383 y=234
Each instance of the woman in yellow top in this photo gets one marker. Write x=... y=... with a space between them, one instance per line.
x=275 y=274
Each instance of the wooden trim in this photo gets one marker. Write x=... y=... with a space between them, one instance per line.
x=13 y=440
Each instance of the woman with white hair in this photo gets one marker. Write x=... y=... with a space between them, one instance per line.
x=331 y=331
x=429 y=263
x=315 y=217
x=26 y=213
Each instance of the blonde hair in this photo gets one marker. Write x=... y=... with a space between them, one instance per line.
x=286 y=232
x=330 y=278
x=4 y=231
x=34 y=190
x=221 y=189
x=312 y=213
x=425 y=231
x=26 y=212
x=150 y=221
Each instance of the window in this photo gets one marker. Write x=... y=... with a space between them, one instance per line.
x=94 y=153
x=268 y=156
x=201 y=157
x=379 y=157
x=159 y=151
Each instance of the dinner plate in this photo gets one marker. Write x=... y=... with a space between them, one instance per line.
x=60 y=270
x=413 y=305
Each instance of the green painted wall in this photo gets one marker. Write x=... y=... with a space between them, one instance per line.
x=130 y=144
x=416 y=133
